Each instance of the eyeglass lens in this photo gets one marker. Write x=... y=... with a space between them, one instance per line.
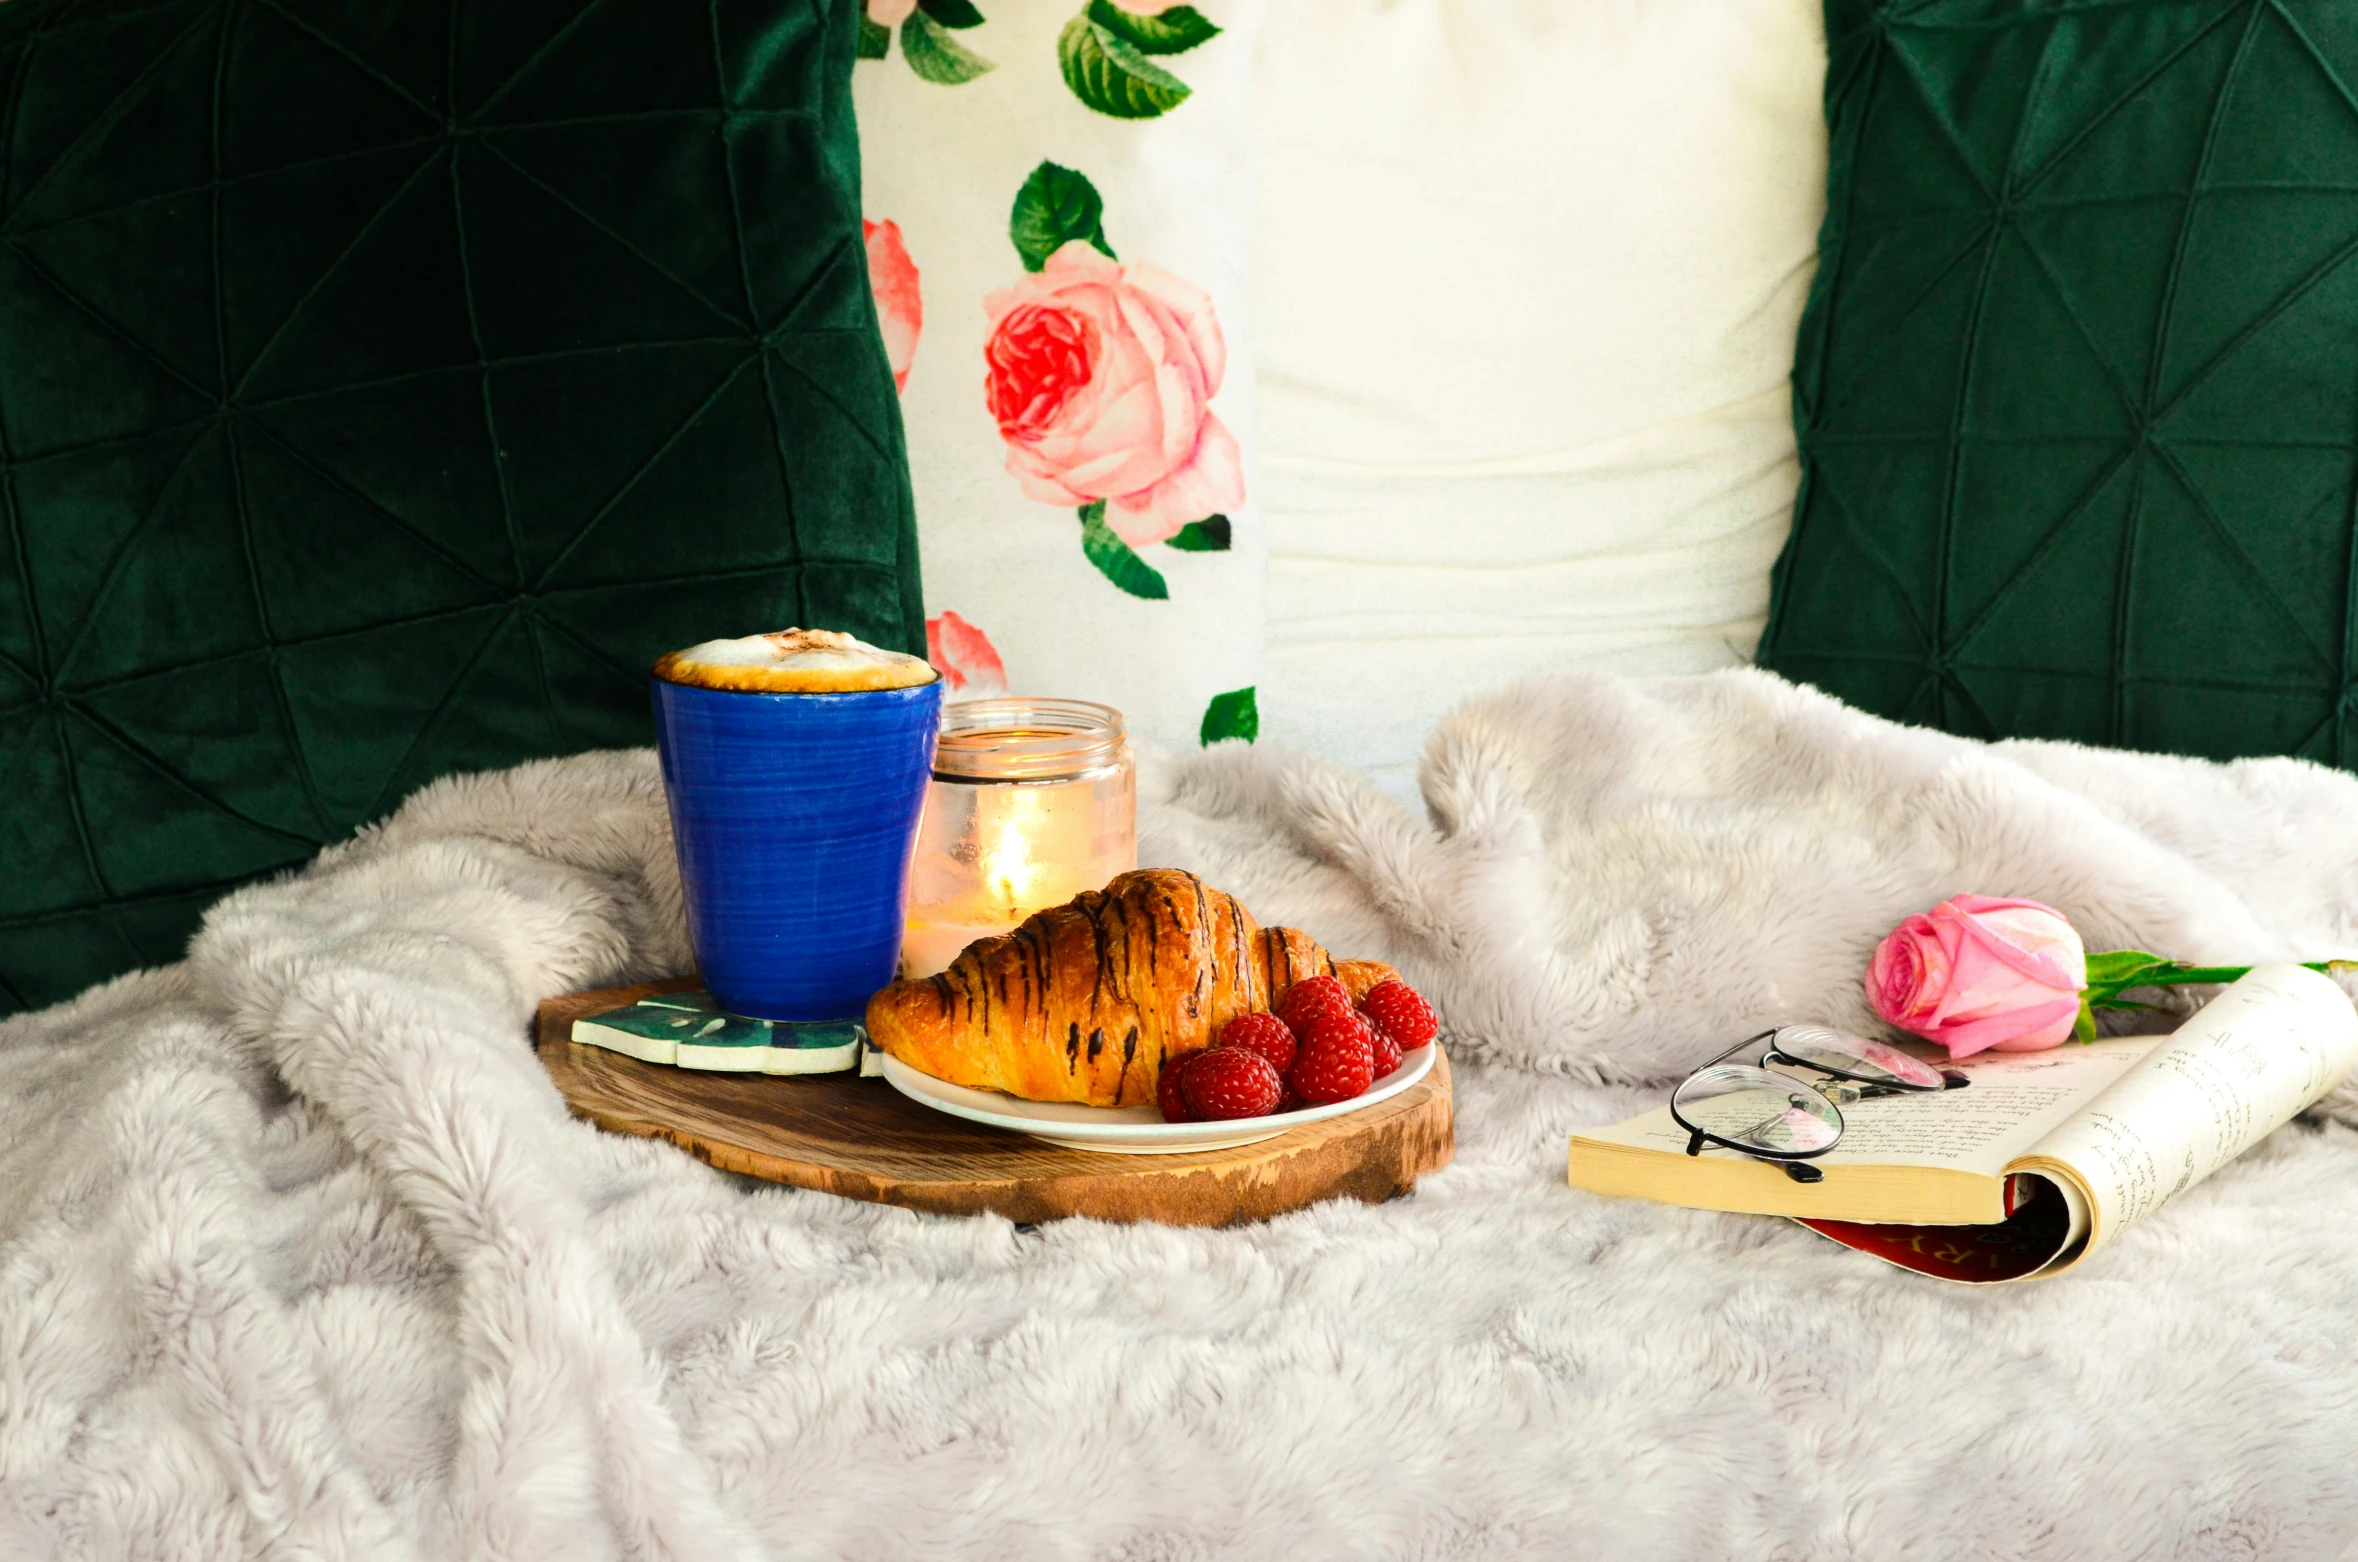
x=1754 y=1109
x=1855 y=1057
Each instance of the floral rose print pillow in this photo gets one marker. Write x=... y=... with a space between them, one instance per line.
x=1078 y=414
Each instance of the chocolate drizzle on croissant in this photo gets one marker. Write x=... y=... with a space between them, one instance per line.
x=1084 y=1001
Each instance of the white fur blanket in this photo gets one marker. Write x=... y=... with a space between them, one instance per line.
x=301 y=1257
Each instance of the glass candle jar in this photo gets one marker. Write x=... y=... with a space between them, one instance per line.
x=1032 y=802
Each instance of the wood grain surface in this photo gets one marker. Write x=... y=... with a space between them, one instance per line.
x=863 y=1139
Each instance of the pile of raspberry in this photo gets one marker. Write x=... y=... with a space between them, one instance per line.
x=1316 y=1049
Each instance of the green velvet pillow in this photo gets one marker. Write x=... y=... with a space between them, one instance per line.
x=383 y=385
x=2077 y=387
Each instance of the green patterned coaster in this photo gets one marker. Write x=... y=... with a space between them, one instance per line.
x=689 y=1030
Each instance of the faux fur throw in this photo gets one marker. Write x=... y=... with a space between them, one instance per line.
x=302 y=1258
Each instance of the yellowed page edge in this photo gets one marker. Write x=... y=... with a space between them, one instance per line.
x=1906 y=1195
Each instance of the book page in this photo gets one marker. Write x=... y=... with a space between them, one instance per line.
x=2262 y=1051
x=2015 y=1100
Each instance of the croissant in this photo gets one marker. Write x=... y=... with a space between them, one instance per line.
x=1084 y=1001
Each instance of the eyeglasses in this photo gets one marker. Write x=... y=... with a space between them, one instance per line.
x=1777 y=1118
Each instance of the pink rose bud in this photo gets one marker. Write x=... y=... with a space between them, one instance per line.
x=1975 y=973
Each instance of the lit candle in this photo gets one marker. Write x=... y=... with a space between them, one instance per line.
x=1003 y=898
x=1008 y=870
x=1032 y=802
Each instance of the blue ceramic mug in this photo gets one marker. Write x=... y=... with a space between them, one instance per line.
x=794 y=815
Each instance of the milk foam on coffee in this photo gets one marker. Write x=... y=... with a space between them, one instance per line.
x=793 y=661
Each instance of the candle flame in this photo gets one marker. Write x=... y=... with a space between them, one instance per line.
x=1008 y=869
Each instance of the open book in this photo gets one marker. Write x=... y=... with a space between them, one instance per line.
x=2044 y=1157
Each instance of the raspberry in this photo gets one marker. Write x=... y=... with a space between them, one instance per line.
x=1291 y=1100
x=1337 y=1061
x=1230 y=1082
x=1387 y=1051
x=1306 y=1000
x=1166 y=1089
x=1263 y=1033
x=1400 y=1010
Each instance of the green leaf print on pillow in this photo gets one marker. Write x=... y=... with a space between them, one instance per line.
x=1209 y=535
x=925 y=25
x=936 y=56
x=1105 y=54
x=1174 y=31
x=1114 y=77
x=952 y=13
x=1055 y=207
x=1115 y=559
x=1235 y=714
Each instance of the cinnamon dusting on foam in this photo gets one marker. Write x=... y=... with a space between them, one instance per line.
x=793 y=661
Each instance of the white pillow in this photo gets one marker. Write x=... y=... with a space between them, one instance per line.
x=1528 y=274
x=946 y=145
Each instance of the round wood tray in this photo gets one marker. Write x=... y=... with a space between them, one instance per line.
x=863 y=1139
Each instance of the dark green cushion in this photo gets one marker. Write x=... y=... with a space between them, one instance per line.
x=383 y=385
x=2077 y=388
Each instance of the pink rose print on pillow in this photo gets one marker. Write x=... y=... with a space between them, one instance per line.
x=1101 y=377
x=964 y=656
x=900 y=308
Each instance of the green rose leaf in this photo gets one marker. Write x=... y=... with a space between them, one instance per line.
x=875 y=40
x=1176 y=31
x=936 y=56
x=1056 y=206
x=1232 y=715
x=952 y=13
x=1112 y=77
x=2117 y=965
x=1209 y=535
x=1114 y=558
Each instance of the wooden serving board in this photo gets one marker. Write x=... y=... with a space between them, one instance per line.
x=863 y=1139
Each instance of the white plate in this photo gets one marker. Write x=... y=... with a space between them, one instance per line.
x=1134 y=1130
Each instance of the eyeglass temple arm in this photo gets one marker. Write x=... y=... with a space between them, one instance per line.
x=1749 y=1041
x=1949 y=1080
